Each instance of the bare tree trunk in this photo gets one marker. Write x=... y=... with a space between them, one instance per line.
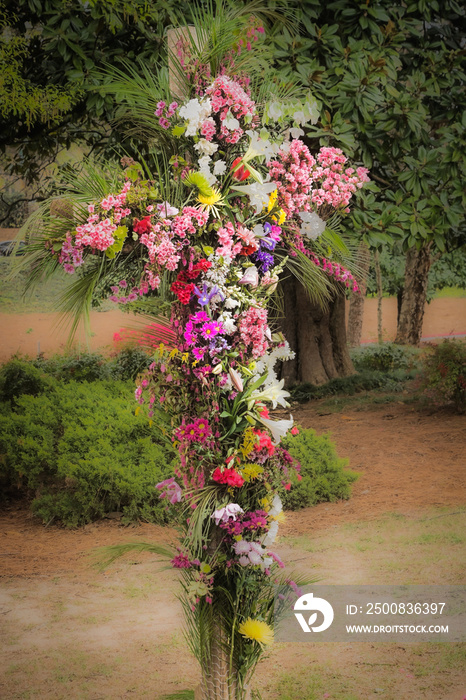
x=317 y=336
x=356 y=310
x=378 y=277
x=417 y=268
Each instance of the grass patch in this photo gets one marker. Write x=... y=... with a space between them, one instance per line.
x=450 y=293
x=427 y=549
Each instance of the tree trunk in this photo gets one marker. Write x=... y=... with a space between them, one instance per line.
x=378 y=277
x=317 y=336
x=417 y=268
x=356 y=310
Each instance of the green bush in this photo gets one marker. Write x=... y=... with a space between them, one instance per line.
x=130 y=362
x=323 y=473
x=18 y=377
x=382 y=358
x=86 y=366
x=83 y=453
x=348 y=386
x=444 y=374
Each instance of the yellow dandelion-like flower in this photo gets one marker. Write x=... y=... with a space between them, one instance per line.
x=281 y=217
x=249 y=442
x=272 y=204
x=256 y=630
x=211 y=201
x=251 y=471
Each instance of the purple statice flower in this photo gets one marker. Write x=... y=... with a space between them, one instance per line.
x=266 y=260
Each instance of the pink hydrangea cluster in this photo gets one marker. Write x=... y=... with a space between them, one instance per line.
x=165 y=113
x=305 y=183
x=228 y=98
x=253 y=327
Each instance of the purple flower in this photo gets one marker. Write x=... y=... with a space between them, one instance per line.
x=204 y=295
x=170 y=489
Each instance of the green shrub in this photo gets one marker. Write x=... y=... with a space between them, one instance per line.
x=444 y=374
x=323 y=473
x=130 y=362
x=18 y=377
x=86 y=366
x=83 y=453
x=382 y=358
x=347 y=386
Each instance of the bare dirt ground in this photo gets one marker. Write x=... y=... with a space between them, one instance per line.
x=30 y=333
x=69 y=631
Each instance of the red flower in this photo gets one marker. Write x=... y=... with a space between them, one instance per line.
x=183 y=291
x=248 y=250
x=287 y=487
x=228 y=476
x=201 y=266
x=240 y=173
x=143 y=226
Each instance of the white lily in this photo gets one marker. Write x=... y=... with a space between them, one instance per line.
x=271 y=536
x=258 y=193
x=236 y=379
x=278 y=428
x=274 y=394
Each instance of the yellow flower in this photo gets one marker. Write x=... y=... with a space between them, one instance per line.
x=205 y=568
x=256 y=630
x=266 y=502
x=211 y=201
x=280 y=518
x=272 y=200
x=273 y=203
x=251 y=471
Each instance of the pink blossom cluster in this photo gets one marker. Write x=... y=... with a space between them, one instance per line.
x=70 y=256
x=120 y=295
x=229 y=98
x=250 y=34
x=253 y=328
x=246 y=522
x=96 y=233
x=305 y=183
x=165 y=113
x=333 y=269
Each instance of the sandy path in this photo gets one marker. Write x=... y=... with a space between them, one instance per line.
x=30 y=333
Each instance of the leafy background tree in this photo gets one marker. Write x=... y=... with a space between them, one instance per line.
x=391 y=81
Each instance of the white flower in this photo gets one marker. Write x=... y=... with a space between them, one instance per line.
x=300 y=117
x=220 y=167
x=255 y=558
x=250 y=277
x=296 y=132
x=227 y=322
x=204 y=168
x=258 y=193
x=271 y=536
x=277 y=506
x=230 y=122
x=278 y=428
x=312 y=226
x=236 y=379
x=274 y=394
x=231 y=303
x=259 y=146
x=274 y=110
x=257 y=547
x=195 y=112
x=222 y=515
x=166 y=210
x=242 y=547
x=206 y=147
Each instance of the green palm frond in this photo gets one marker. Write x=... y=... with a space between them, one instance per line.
x=105 y=556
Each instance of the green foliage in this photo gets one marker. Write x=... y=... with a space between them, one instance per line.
x=391 y=78
x=444 y=374
x=447 y=271
x=79 y=367
x=83 y=452
x=382 y=358
x=130 y=362
x=19 y=377
x=324 y=477
x=362 y=381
